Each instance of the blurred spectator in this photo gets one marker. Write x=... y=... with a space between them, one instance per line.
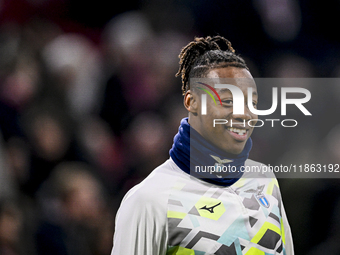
x=7 y=183
x=289 y=65
x=75 y=63
x=75 y=217
x=11 y=225
x=18 y=162
x=143 y=66
x=51 y=137
x=115 y=109
x=104 y=151
x=332 y=145
x=281 y=19
x=144 y=143
x=20 y=85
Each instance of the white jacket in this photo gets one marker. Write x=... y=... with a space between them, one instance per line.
x=171 y=212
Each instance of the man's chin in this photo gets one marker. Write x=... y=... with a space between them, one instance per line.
x=235 y=152
x=235 y=149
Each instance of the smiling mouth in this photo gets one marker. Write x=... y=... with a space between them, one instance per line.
x=238 y=131
x=239 y=134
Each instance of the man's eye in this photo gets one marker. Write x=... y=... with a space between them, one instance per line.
x=228 y=102
x=255 y=104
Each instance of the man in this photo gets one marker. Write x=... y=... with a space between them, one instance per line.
x=183 y=208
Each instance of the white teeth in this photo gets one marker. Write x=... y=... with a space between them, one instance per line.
x=237 y=130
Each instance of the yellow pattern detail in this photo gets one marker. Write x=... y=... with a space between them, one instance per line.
x=177 y=215
x=178 y=250
x=263 y=230
x=271 y=186
x=179 y=185
x=239 y=183
x=283 y=232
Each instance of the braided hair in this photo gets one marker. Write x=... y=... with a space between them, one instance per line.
x=203 y=54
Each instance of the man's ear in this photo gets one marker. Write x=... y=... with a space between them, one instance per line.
x=191 y=102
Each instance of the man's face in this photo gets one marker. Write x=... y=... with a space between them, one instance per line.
x=230 y=139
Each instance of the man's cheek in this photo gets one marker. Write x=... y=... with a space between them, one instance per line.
x=253 y=120
x=220 y=130
x=217 y=113
x=252 y=123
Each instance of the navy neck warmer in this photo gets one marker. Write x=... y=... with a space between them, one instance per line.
x=197 y=157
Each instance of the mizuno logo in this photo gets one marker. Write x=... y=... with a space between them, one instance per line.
x=210 y=209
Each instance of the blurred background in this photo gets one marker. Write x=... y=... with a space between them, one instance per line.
x=89 y=105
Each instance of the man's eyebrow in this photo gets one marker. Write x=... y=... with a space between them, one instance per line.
x=224 y=90
x=227 y=90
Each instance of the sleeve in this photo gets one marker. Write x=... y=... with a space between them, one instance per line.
x=140 y=227
x=287 y=234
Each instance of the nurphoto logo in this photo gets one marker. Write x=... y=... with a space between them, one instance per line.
x=239 y=103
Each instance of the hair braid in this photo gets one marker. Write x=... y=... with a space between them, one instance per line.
x=203 y=54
